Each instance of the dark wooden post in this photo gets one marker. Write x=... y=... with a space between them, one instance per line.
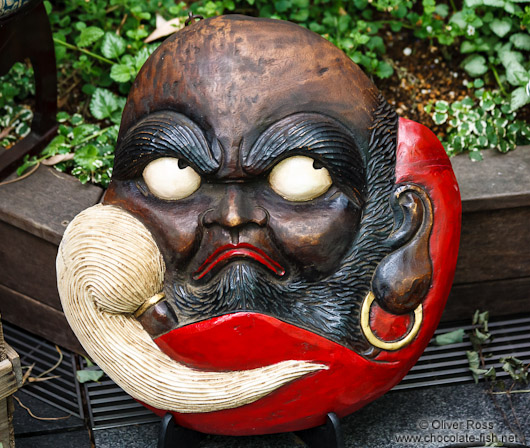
x=27 y=34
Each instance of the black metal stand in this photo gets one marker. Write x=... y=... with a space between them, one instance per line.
x=173 y=436
x=27 y=34
x=328 y=435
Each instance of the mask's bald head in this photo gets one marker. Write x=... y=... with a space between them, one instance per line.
x=236 y=75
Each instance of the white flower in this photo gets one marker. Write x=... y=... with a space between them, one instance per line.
x=470 y=30
x=407 y=51
x=429 y=29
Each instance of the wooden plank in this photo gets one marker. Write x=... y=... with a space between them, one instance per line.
x=38 y=318
x=12 y=355
x=499 y=181
x=8 y=382
x=500 y=298
x=44 y=203
x=494 y=245
x=7 y=435
x=28 y=265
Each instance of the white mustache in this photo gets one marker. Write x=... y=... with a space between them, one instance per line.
x=108 y=265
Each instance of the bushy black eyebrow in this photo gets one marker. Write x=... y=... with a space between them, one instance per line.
x=163 y=134
x=316 y=136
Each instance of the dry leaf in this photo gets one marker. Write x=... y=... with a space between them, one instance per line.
x=53 y=160
x=164 y=28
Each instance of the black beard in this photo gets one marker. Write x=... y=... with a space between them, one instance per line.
x=330 y=307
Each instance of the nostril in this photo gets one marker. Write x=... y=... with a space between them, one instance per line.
x=261 y=216
x=207 y=217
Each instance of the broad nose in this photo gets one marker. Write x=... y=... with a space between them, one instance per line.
x=236 y=208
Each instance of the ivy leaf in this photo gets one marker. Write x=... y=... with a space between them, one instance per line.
x=495 y=3
x=141 y=57
x=137 y=34
x=453 y=337
x=282 y=5
x=458 y=19
x=103 y=103
x=519 y=98
x=62 y=116
x=521 y=41
x=475 y=65
x=113 y=46
x=501 y=27
x=87 y=375
x=475 y=156
x=441 y=106
x=121 y=73
x=442 y=10
x=468 y=47
x=87 y=157
x=439 y=118
x=516 y=74
x=384 y=70
x=89 y=35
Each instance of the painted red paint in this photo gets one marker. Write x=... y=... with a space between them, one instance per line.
x=247 y=340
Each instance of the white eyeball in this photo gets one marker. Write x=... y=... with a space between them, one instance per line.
x=295 y=179
x=166 y=180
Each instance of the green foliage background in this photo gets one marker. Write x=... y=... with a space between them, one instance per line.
x=101 y=42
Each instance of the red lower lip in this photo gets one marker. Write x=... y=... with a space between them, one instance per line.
x=237 y=250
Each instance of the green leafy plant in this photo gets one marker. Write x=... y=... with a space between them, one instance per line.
x=100 y=48
x=486 y=121
x=497 y=43
x=15 y=122
x=85 y=149
x=15 y=117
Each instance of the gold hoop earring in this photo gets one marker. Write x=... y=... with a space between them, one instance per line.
x=384 y=345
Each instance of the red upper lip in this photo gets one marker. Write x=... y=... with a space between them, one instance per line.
x=237 y=250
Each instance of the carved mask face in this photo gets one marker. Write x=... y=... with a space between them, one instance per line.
x=261 y=163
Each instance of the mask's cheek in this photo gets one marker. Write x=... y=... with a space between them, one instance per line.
x=175 y=225
x=315 y=235
x=243 y=341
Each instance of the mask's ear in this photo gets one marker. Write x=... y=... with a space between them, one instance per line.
x=402 y=278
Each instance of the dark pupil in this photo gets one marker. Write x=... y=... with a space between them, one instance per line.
x=182 y=164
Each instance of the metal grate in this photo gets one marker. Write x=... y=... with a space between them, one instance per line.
x=448 y=364
x=110 y=407
x=63 y=392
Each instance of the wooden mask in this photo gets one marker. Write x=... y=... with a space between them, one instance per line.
x=276 y=243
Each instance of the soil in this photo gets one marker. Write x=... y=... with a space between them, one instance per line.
x=425 y=73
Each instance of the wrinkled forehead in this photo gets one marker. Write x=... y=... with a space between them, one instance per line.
x=235 y=76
